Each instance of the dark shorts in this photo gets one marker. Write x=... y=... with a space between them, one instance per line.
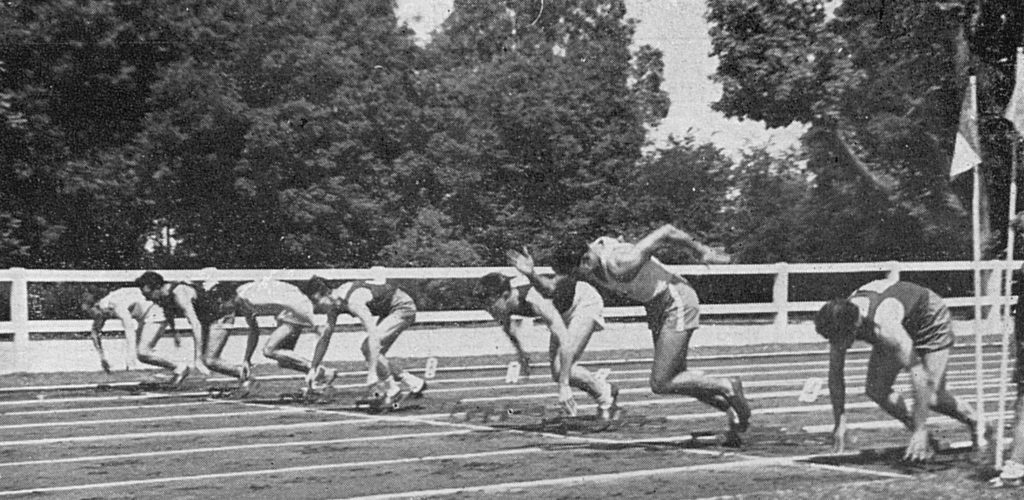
x=677 y=309
x=937 y=334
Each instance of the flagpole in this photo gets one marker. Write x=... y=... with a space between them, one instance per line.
x=976 y=240
x=1008 y=323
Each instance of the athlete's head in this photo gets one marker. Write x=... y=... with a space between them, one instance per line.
x=89 y=303
x=837 y=321
x=151 y=283
x=494 y=284
x=319 y=292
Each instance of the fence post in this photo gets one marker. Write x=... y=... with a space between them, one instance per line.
x=780 y=295
x=378 y=277
x=19 y=317
x=894 y=270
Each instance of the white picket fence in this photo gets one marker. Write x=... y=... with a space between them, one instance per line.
x=780 y=306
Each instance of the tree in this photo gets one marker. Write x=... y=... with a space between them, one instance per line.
x=541 y=109
x=880 y=85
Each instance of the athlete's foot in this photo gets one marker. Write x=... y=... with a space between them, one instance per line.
x=180 y=374
x=738 y=401
x=606 y=413
x=324 y=378
x=981 y=443
x=416 y=391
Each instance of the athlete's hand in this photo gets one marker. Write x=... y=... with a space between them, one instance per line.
x=567 y=401
x=105 y=365
x=710 y=256
x=839 y=438
x=522 y=261
x=919 y=448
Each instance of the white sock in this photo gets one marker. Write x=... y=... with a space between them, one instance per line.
x=604 y=400
x=393 y=387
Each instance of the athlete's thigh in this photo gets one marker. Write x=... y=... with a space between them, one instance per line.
x=282 y=337
x=580 y=328
x=670 y=352
x=217 y=338
x=883 y=368
x=392 y=325
x=935 y=363
x=150 y=334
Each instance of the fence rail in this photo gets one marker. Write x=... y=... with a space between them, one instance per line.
x=780 y=306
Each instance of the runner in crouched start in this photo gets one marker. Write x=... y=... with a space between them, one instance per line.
x=572 y=316
x=909 y=328
x=136 y=314
x=179 y=299
x=294 y=313
x=395 y=311
x=632 y=271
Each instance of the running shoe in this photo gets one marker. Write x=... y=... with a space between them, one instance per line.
x=739 y=403
x=417 y=392
x=324 y=378
x=606 y=414
x=180 y=374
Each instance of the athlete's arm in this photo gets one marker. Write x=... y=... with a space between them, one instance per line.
x=95 y=334
x=357 y=306
x=184 y=297
x=131 y=328
x=837 y=395
x=523 y=262
x=500 y=311
x=252 y=340
x=547 y=312
x=671 y=234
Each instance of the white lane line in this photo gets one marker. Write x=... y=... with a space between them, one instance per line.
x=889 y=424
x=164 y=418
x=102 y=409
x=190 y=451
x=181 y=433
x=510 y=487
x=264 y=472
x=85 y=399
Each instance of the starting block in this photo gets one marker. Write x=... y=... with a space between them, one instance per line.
x=380 y=404
x=430 y=371
x=512 y=374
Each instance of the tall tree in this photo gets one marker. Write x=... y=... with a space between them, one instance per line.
x=541 y=108
x=880 y=84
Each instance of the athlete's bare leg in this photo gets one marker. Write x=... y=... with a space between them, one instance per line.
x=216 y=339
x=286 y=358
x=148 y=338
x=883 y=368
x=943 y=402
x=580 y=331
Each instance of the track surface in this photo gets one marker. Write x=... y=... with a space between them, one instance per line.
x=476 y=435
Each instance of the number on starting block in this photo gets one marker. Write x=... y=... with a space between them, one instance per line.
x=811 y=390
x=431 y=369
x=512 y=375
x=603 y=373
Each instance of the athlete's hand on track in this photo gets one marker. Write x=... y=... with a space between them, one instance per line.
x=839 y=438
x=105 y=365
x=919 y=448
x=522 y=261
x=567 y=401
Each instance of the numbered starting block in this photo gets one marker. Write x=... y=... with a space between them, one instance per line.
x=430 y=371
x=811 y=391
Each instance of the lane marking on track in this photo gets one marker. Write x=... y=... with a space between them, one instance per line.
x=190 y=451
x=100 y=409
x=181 y=433
x=594 y=478
x=86 y=399
x=165 y=418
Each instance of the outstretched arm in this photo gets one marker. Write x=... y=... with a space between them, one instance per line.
x=837 y=394
x=671 y=234
x=131 y=329
x=523 y=262
x=184 y=297
x=97 y=343
x=547 y=312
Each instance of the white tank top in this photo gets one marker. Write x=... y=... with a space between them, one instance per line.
x=652 y=279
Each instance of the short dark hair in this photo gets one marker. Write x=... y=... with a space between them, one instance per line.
x=151 y=279
x=568 y=255
x=316 y=286
x=837 y=315
x=495 y=284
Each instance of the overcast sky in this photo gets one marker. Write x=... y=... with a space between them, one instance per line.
x=678 y=29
